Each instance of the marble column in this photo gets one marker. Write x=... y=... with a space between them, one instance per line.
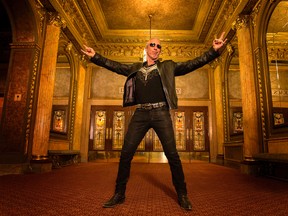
x=85 y=127
x=46 y=87
x=219 y=109
x=248 y=88
x=79 y=103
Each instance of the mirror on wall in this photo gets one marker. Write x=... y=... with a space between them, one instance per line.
x=6 y=40
x=235 y=98
x=61 y=95
x=277 y=49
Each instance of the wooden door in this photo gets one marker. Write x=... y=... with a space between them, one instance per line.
x=109 y=125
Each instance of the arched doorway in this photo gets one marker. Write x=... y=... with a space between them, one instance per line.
x=5 y=40
x=21 y=56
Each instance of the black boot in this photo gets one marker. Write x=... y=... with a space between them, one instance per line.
x=118 y=198
x=184 y=202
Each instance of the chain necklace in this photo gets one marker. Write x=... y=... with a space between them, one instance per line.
x=146 y=70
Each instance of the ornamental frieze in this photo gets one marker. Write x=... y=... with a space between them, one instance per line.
x=279 y=53
x=167 y=52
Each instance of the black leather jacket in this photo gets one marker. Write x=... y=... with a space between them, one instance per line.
x=168 y=69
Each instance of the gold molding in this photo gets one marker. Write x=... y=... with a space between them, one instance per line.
x=279 y=53
x=31 y=98
x=72 y=117
x=133 y=53
x=230 y=49
x=261 y=95
x=40 y=12
x=242 y=21
x=56 y=20
x=255 y=13
x=225 y=113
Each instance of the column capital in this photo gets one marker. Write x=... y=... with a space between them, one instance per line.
x=55 y=19
x=242 y=21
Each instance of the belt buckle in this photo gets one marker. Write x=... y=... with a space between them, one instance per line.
x=148 y=106
x=155 y=105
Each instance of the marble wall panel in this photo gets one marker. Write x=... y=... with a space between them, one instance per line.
x=108 y=85
x=62 y=82
x=194 y=85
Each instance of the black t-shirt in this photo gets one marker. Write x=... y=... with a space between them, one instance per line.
x=149 y=86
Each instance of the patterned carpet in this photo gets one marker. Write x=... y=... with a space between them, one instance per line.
x=81 y=190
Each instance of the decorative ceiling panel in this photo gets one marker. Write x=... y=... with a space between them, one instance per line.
x=116 y=27
x=166 y=15
x=179 y=20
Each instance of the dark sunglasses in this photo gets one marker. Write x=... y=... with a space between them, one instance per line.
x=153 y=45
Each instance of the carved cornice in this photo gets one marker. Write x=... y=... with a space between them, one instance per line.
x=76 y=22
x=210 y=19
x=226 y=13
x=83 y=5
x=77 y=29
x=230 y=8
x=179 y=52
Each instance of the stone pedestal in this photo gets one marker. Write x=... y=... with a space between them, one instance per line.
x=40 y=166
x=250 y=167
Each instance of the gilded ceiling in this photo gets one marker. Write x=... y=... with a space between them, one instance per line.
x=170 y=20
x=134 y=21
x=166 y=15
x=116 y=26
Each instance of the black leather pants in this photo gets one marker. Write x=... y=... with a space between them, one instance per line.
x=160 y=120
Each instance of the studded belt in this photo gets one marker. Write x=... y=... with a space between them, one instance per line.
x=149 y=106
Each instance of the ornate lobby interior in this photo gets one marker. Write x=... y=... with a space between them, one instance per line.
x=62 y=122
x=57 y=108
